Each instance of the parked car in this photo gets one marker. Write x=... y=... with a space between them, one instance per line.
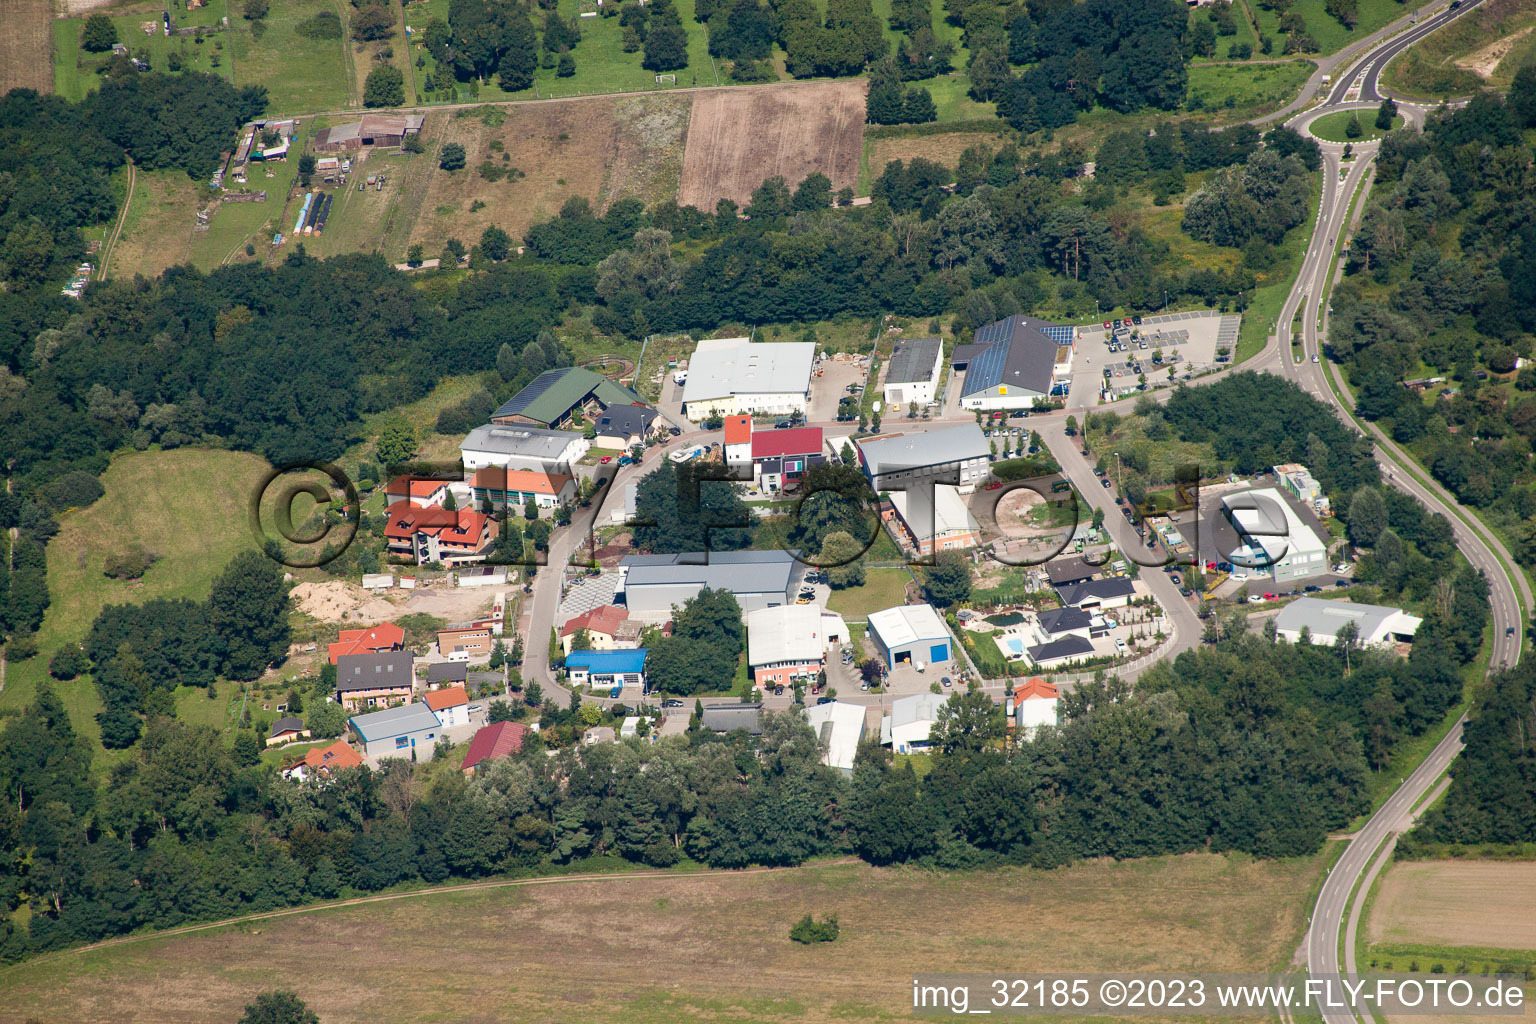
x=1311 y=588
x=1108 y=326
x=1271 y=597
x=671 y=702
x=1341 y=583
x=475 y=708
x=864 y=686
x=823 y=700
x=605 y=459
x=946 y=681
x=1120 y=646
x=778 y=691
x=1136 y=320
x=614 y=693
x=1185 y=591
x=674 y=431
x=1255 y=599
x=1105 y=482
x=1177 y=578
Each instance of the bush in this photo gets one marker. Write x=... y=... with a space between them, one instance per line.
x=807 y=930
x=129 y=564
x=68 y=663
x=452 y=158
x=325 y=25
x=73 y=490
x=385 y=87
x=99 y=33
x=255 y=10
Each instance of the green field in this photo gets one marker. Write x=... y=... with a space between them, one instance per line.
x=302 y=75
x=883 y=588
x=189 y=506
x=715 y=944
x=1249 y=88
x=74 y=70
x=1334 y=127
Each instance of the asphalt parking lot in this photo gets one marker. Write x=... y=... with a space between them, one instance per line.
x=832 y=386
x=1188 y=343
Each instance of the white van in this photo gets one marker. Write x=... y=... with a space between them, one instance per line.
x=680 y=377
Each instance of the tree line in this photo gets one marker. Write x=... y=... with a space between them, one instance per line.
x=1248 y=746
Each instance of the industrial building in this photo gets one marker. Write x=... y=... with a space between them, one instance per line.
x=957 y=455
x=912 y=375
x=1275 y=544
x=602 y=669
x=554 y=396
x=397 y=732
x=649 y=585
x=1016 y=363
x=933 y=519
x=912 y=634
x=839 y=727
x=522 y=447
x=790 y=642
x=374 y=130
x=1377 y=625
x=907 y=728
x=732 y=376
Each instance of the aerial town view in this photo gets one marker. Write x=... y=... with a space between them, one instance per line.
x=757 y=511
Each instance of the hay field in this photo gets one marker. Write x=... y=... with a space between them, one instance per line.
x=26 y=46
x=738 y=137
x=601 y=149
x=1457 y=903
x=685 y=948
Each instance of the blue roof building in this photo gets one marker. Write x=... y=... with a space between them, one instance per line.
x=607 y=668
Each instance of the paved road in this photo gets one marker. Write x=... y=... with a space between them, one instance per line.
x=1376 y=61
x=1509 y=600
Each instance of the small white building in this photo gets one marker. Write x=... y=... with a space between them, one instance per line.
x=483 y=576
x=450 y=704
x=907 y=728
x=732 y=376
x=378 y=581
x=1032 y=705
x=839 y=726
x=1378 y=625
x=789 y=642
x=912 y=375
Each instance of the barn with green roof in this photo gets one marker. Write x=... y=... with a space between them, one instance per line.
x=552 y=396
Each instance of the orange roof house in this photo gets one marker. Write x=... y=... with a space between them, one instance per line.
x=434 y=534
x=368 y=640
x=322 y=761
x=738 y=430
x=1036 y=687
x=516 y=486
x=418 y=492
x=447 y=697
x=601 y=624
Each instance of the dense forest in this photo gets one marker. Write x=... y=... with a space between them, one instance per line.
x=1492 y=798
x=1441 y=292
x=1245 y=745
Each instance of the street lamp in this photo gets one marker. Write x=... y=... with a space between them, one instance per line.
x=1165 y=300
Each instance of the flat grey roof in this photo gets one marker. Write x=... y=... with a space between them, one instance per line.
x=525 y=442
x=736 y=366
x=920 y=707
x=927 y=448
x=730 y=717
x=1323 y=618
x=1070 y=570
x=394 y=721
x=914 y=359
x=741 y=572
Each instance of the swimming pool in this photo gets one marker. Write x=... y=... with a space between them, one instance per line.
x=1011 y=645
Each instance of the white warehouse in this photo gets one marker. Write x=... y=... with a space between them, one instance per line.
x=733 y=376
